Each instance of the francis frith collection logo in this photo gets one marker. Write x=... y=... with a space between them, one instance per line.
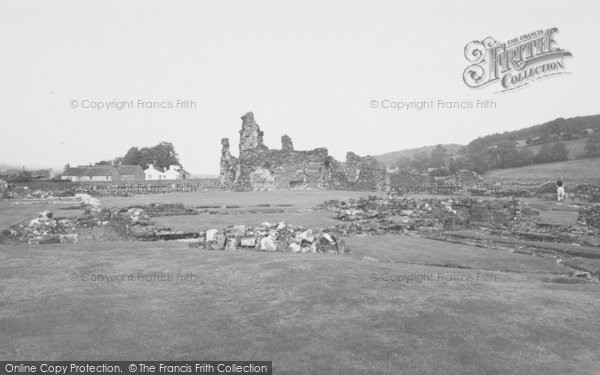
x=515 y=63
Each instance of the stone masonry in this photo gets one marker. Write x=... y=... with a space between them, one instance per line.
x=261 y=168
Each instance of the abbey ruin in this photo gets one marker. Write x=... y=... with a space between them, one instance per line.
x=259 y=168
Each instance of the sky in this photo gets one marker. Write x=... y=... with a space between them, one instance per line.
x=308 y=69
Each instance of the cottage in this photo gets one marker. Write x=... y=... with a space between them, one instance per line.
x=131 y=173
x=175 y=172
x=90 y=173
x=152 y=173
x=172 y=172
x=103 y=173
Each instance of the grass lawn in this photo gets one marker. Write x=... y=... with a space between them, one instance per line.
x=11 y=213
x=572 y=172
x=308 y=313
x=297 y=199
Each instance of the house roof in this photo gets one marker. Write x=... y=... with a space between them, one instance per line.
x=103 y=170
x=129 y=169
x=155 y=168
x=176 y=168
x=96 y=170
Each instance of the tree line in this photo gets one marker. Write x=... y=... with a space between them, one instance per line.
x=481 y=155
x=160 y=156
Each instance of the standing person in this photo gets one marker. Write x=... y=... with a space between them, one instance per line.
x=560 y=190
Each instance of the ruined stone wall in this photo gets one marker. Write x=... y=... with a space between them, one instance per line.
x=363 y=173
x=409 y=179
x=230 y=166
x=261 y=168
x=283 y=169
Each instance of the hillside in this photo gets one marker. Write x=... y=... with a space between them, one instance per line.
x=576 y=147
x=390 y=157
x=581 y=170
x=559 y=129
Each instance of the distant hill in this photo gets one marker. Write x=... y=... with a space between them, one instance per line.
x=390 y=158
x=559 y=139
x=559 y=129
x=4 y=167
x=493 y=151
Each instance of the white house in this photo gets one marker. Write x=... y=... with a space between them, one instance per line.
x=153 y=173
x=173 y=172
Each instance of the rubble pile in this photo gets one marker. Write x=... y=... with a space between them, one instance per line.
x=3 y=189
x=23 y=192
x=132 y=223
x=273 y=237
x=500 y=213
x=439 y=217
x=136 y=224
x=39 y=194
x=402 y=213
x=128 y=224
x=167 y=209
x=590 y=216
x=587 y=192
x=45 y=229
x=463 y=177
x=87 y=200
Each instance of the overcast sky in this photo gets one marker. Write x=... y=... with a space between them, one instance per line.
x=308 y=69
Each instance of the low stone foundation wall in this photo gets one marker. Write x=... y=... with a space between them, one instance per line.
x=590 y=216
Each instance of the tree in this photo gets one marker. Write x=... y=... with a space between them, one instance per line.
x=118 y=161
x=551 y=153
x=592 y=146
x=478 y=155
x=503 y=154
x=161 y=156
x=403 y=163
x=525 y=157
x=439 y=157
x=560 y=152
x=421 y=160
x=164 y=155
x=133 y=157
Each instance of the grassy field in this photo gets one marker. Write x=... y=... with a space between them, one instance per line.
x=11 y=213
x=298 y=199
x=571 y=170
x=249 y=208
x=479 y=311
x=308 y=313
